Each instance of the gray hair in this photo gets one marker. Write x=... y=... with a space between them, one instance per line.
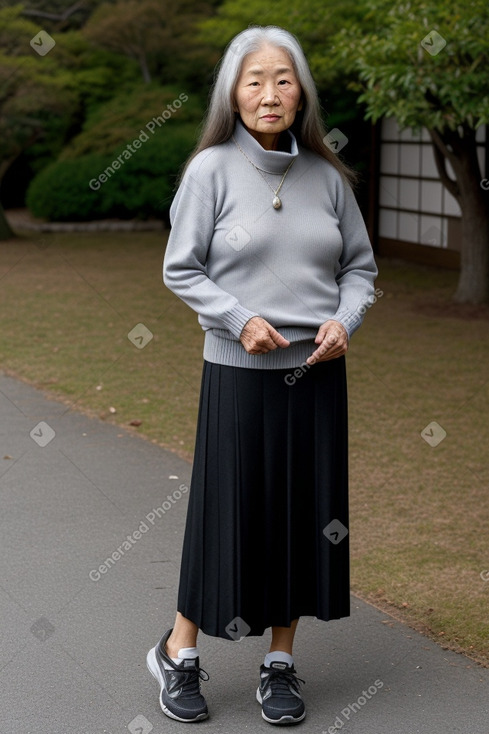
x=220 y=119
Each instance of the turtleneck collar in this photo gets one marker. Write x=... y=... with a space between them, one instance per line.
x=268 y=161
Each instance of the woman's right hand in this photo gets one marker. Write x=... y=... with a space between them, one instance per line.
x=259 y=337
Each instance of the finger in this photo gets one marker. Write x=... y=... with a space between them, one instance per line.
x=260 y=345
x=322 y=331
x=330 y=327
x=270 y=339
x=278 y=339
x=325 y=356
x=259 y=337
x=330 y=348
x=337 y=351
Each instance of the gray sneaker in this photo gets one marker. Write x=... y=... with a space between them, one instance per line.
x=180 y=696
x=279 y=694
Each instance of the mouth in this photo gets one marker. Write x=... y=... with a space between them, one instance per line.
x=270 y=118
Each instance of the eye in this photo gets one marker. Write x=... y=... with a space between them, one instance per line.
x=284 y=81
x=252 y=84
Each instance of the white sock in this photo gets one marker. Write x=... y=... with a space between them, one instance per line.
x=183 y=653
x=278 y=656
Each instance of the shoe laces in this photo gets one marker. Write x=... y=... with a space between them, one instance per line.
x=281 y=681
x=189 y=680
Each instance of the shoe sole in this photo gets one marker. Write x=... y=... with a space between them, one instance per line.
x=284 y=720
x=155 y=671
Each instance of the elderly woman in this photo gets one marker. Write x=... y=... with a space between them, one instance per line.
x=269 y=247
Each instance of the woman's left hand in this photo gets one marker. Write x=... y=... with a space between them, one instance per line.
x=332 y=339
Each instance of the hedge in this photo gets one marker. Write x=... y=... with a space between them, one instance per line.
x=138 y=182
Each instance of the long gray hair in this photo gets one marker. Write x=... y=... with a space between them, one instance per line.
x=219 y=122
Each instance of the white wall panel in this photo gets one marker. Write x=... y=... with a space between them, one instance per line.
x=431 y=231
x=389 y=158
x=409 y=193
x=388 y=223
x=408 y=227
x=428 y=166
x=431 y=196
x=410 y=160
x=388 y=192
x=409 y=134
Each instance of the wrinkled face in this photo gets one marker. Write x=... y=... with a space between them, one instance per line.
x=267 y=94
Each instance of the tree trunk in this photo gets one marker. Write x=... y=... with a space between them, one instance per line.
x=5 y=231
x=473 y=283
x=459 y=147
x=143 y=63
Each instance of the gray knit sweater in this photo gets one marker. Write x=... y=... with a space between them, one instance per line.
x=231 y=255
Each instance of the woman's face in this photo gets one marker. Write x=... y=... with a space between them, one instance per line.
x=267 y=94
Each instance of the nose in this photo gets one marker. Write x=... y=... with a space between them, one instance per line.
x=269 y=94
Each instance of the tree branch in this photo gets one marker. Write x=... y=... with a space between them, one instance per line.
x=438 y=141
x=441 y=154
x=55 y=16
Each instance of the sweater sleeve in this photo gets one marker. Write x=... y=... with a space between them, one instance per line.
x=356 y=268
x=192 y=216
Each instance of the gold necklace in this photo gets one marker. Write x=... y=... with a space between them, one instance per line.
x=276 y=202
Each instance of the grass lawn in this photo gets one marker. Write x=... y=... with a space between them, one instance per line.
x=419 y=513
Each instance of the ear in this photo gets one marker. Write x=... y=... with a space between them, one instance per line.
x=301 y=104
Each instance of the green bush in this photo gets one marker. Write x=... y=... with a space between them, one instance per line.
x=141 y=186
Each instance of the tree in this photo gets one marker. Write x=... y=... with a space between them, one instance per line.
x=32 y=90
x=441 y=85
x=146 y=31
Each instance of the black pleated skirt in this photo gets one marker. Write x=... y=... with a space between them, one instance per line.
x=266 y=537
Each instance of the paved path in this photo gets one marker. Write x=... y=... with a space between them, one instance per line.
x=75 y=630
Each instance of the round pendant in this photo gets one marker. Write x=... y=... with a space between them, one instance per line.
x=276 y=203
